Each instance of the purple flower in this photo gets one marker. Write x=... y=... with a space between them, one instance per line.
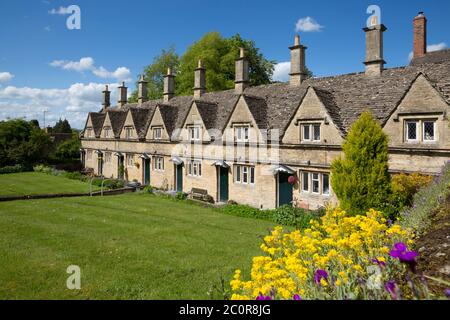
x=319 y=275
x=391 y=287
x=447 y=293
x=263 y=297
x=297 y=297
x=378 y=262
x=401 y=252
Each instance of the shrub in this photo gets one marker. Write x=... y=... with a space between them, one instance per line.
x=181 y=196
x=15 y=169
x=73 y=175
x=361 y=180
x=338 y=257
x=404 y=187
x=148 y=190
x=247 y=212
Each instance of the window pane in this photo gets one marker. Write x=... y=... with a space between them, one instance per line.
x=239 y=134
x=428 y=131
x=246 y=133
x=412 y=130
x=252 y=175
x=315 y=182
x=306 y=132
x=325 y=184
x=305 y=181
x=199 y=169
x=244 y=174
x=317 y=132
x=238 y=173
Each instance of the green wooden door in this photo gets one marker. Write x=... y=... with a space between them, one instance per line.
x=223 y=184
x=284 y=190
x=146 y=171
x=180 y=178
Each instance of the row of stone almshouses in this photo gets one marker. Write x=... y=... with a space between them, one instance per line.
x=295 y=130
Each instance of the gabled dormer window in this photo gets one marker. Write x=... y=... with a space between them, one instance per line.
x=89 y=133
x=108 y=132
x=421 y=131
x=310 y=132
x=157 y=133
x=194 y=133
x=128 y=132
x=241 y=133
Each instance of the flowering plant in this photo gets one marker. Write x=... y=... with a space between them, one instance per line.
x=338 y=257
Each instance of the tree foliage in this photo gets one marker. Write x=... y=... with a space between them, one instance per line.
x=361 y=180
x=70 y=149
x=22 y=142
x=218 y=55
x=62 y=126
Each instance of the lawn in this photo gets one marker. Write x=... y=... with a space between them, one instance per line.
x=133 y=246
x=33 y=183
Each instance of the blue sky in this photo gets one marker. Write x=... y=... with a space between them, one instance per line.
x=40 y=65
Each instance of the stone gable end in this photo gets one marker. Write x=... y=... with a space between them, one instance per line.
x=157 y=121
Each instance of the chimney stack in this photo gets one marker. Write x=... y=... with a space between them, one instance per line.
x=374 y=50
x=298 y=63
x=242 y=75
x=106 y=98
x=420 y=35
x=200 y=81
x=122 y=95
x=142 y=90
x=169 y=85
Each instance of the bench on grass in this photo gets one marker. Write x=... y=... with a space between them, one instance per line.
x=199 y=194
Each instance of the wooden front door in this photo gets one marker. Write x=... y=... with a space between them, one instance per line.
x=284 y=190
x=223 y=184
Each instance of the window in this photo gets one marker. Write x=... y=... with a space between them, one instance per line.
x=244 y=174
x=108 y=133
x=310 y=132
x=89 y=154
x=305 y=184
x=130 y=160
x=194 y=133
x=412 y=132
x=325 y=184
x=89 y=133
x=241 y=133
x=107 y=157
x=315 y=183
x=158 y=163
x=429 y=128
x=194 y=168
x=157 y=133
x=320 y=183
x=128 y=132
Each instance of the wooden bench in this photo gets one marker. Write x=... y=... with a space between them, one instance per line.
x=199 y=194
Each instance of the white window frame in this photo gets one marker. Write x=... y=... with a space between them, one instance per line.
x=308 y=177
x=323 y=184
x=129 y=133
x=315 y=180
x=407 y=139
x=129 y=160
x=242 y=133
x=158 y=163
x=311 y=132
x=107 y=132
x=194 y=133
x=89 y=132
x=194 y=168
x=244 y=174
x=89 y=155
x=108 y=157
x=157 y=133
x=434 y=130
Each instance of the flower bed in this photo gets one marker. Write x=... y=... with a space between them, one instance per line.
x=338 y=257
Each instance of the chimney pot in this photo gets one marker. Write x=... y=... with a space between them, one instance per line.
x=374 y=50
x=420 y=35
x=298 y=63
x=241 y=73
x=106 y=98
x=199 y=81
x=142 y=90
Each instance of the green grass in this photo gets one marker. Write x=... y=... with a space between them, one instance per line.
x=131 y=246
x=34 y=183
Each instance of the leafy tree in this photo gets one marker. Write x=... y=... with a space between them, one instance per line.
x=62 y=126
x=70 y=149
x=361 y=180
x=154 y=74
x=21 y=142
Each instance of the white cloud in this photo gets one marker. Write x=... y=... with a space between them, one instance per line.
x=72 y=103
x=281 y=72
x=60 y=10
x=307 y=24
x=431 y=48
x=88 y=64
x=47 y=28
x=5 y=76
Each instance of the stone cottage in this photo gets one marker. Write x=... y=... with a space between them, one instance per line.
x=271 y=145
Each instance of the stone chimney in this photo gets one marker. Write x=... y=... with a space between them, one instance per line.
x=242 y=76
x=374 y=50
x=142 y=90
x=298 y=63
x=123 y=98
x=106 y=98
x=420 y=35
x=169 y=85
x=200 y=81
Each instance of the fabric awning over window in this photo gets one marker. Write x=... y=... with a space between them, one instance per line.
x=144 y=156
x=177 y=160
x=221 y=163
x=283 y=169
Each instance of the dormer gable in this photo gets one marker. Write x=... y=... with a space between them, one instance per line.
x=107 y=131
x=157 y=129
x=129 y=131
x=315 y=120
x=198 y=121
x=93 y=125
